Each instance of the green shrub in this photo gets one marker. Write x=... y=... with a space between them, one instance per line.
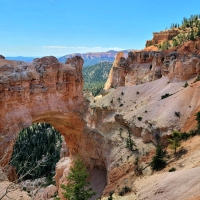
x=175 y=140
x=172 y=169
x=165 y=96
x=177 y=114
x=197 y=79
x=124 y=191
x=184 y=136
x=193 y=132
x=110 y=196
x=186 y=84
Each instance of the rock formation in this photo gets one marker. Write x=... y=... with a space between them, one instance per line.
x=97 y=128
x=145 y=66
x=44 y=90
x=159 y=37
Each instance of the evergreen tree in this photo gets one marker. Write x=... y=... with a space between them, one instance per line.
x=192 y=36
x=77 y=188
x=158 y=161
x=36 y=149
x=175 y=140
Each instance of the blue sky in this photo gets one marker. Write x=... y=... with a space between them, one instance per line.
x=60 y=27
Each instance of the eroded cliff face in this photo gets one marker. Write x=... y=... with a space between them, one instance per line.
x=133 y=103
x=159 y=37
x=146 y=66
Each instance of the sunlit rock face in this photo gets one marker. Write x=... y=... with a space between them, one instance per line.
x=42 y=91
x=145 y=66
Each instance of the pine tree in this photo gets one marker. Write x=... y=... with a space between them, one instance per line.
x=77 y=188
x=192 y=36
x=175 y=140
x=32 y=143
x=158 y=161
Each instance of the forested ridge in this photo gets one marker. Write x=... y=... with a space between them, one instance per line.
x=95 y=77
x=36 y=152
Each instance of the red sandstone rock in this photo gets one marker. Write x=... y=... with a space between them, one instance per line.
x=159 y=37
x=43 y=91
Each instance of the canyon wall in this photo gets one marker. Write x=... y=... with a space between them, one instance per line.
x=146 y=66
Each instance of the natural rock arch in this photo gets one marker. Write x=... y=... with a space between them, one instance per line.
x=44 y=91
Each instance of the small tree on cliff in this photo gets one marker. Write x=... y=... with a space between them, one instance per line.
x=175 y=140
x=158 y=162
x=77 y=188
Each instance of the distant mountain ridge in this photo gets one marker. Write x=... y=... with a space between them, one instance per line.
x=90 y=58
x=93 y=58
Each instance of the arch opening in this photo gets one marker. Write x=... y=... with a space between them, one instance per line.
x=36 y=152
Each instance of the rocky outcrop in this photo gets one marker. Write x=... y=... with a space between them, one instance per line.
x=142 y=67
x=44 y=90
x=63 y=165
x=46 y=193
x=159 y=37
x=118 y=72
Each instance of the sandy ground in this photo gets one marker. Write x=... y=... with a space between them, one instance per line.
x=180 y=185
